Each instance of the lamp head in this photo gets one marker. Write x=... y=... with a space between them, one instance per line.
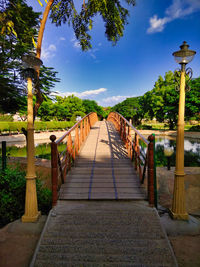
x=31 y=61
x=184 y=55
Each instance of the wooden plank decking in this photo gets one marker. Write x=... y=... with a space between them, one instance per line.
x=103 y=169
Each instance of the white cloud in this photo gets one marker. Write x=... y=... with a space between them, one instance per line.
x=113 y=100
x=75 y=42
x=157 y=25
x=178 y=9
x=47 y=53
x=84 y=94
x=52 y=47
x=62 y=38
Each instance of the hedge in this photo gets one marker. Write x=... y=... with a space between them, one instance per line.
x=39 y=126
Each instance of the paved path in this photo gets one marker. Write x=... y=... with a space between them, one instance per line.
x=110 y=231
x=103 y=169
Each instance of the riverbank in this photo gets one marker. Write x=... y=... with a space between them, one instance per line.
x=173 y=134
x=44 y=137
x=40 y=137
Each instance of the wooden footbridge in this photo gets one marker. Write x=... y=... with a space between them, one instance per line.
x=104 y=193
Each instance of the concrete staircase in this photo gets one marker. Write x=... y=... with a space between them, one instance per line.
x=103 y=233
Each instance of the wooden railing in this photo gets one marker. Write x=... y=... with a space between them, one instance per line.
x=61 y=162
x=141 y=151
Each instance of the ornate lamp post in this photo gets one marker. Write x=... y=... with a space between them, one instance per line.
x=178 y=211
x=31 y=63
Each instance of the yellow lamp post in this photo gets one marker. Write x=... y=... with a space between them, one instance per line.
x=178 y=211
x=31 y=63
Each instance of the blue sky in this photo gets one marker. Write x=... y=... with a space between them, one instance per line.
x=109 y=74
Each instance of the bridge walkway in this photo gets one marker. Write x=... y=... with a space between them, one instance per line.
x=103 y=169
x=101 y=217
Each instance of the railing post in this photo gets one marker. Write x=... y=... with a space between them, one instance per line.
x=151 y=170
x=135 y=150
x=69 y=149
x=76 y=141
x=54 y=169
x=4 y=155
x=81 y=133
x=85 y=128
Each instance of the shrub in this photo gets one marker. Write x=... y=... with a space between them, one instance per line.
x=39 y=125
x=12 y=195
x=4 y=117
x=195 y=128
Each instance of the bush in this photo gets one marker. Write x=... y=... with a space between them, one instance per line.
x=195 y=128
x=4 y=117
x=12 y=195
x=39 y=125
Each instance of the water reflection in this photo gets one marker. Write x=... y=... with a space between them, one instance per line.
x=191 y=152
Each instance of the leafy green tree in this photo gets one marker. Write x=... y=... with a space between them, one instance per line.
x=92 y=106
x=113 y=13
x=163 y=100
x=45 y=112
x=130 y=109
x=192 y=106
x=18 y=25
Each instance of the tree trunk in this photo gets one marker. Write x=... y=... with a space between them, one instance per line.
x=39 y=98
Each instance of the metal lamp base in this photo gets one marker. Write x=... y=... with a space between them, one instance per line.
x=178 y=216
x=26 y=218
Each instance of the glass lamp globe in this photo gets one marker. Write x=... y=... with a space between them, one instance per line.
x=184 y=55
x=31 y=61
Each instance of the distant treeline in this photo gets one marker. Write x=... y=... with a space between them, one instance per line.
x=161 y=102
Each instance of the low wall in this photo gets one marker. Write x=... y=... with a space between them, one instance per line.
x=192 y=188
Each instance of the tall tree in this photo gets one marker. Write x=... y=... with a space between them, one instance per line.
x=163 y=100
x=112 y=12
x=92 y=106
x=130 y=109
x=18 y=24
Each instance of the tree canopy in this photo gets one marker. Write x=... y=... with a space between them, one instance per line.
x=68 y=108
x=162 y=102
x=113 y=13
x=18 y=25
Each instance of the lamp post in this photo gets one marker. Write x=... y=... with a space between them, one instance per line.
x=32 y=64
x=178 y=211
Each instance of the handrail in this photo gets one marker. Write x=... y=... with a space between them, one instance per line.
x=144 y=164
x=129 y=124
x=61 y=162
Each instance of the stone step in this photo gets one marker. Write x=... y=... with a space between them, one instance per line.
x=44 y=263
x=137 y=256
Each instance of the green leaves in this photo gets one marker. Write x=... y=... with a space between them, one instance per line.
x=112 y=12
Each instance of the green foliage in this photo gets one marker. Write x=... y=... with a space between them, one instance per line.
x=92 y=106
x=195 y=128
x=163 y=100
x=19 y=24
x=39 y=126
x=112 y=12
x=77 y=113
x=12 y=195
x=5 y=117
x=130 y=109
